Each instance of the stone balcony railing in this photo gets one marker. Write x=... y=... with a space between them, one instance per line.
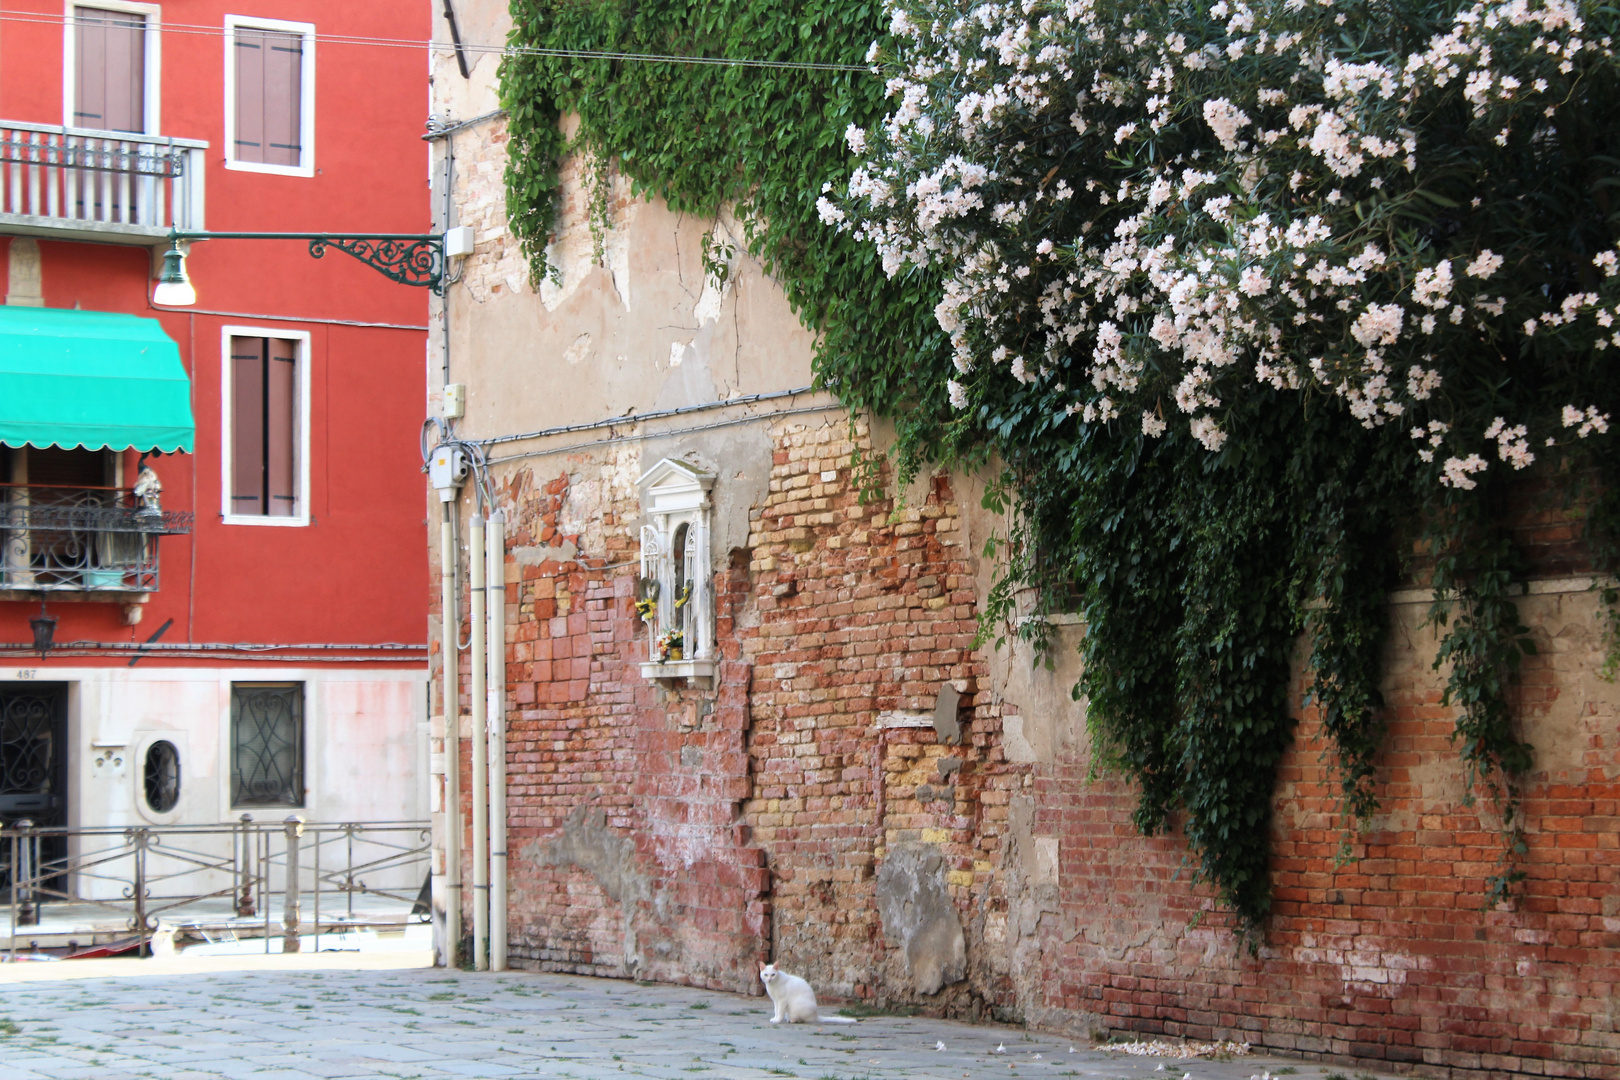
x=111 y=187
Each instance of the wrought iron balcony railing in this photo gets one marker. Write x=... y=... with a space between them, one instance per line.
x=81 y=540
x=110 y=186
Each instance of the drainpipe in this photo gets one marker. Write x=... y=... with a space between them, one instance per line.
x=495 y=589
x=450 y=654
x=476 y=648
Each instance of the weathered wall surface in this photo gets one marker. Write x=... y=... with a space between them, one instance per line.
x=1389 y=955
x=875 y=805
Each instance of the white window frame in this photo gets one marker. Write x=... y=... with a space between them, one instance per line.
x=154 y=59
x=676 y=493
x=300 y=443
x=306 y=96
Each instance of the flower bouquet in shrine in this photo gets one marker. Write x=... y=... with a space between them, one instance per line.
x=669 y=644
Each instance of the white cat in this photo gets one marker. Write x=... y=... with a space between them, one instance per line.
x=161 y=944
x=794 y=999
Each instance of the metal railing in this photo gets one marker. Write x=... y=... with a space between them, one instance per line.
x=73 y=539
x=213 y=877
x=83 y=180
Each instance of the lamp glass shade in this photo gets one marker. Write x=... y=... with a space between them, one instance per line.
x=44 y=628
x=173 y=287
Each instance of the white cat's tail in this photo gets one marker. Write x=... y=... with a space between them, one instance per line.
x=822 y=1018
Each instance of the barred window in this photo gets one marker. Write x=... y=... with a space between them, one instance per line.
x=267 y=744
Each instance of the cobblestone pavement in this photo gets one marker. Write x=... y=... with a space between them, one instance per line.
x=318 y=1020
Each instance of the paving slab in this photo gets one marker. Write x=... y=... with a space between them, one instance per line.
x=352 y=1017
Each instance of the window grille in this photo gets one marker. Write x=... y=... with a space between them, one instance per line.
x=267 y=744
x=161 y=776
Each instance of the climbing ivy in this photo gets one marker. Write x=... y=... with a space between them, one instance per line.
x=1196 y=558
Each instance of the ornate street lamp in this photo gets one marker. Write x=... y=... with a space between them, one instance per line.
x=44 y=628
x=408 y=258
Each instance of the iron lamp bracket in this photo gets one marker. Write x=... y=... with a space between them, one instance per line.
x=408 y=258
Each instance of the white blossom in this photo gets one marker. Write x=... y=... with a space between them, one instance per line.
x=1485 y=264
x=1457 y=471
x=1182 y=277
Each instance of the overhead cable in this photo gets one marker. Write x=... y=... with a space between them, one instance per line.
x=656 y=414
x=666 y=434
x=15 y=15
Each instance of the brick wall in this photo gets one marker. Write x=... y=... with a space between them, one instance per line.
x=861 y=611
x=686 y=834
x=1388 y=956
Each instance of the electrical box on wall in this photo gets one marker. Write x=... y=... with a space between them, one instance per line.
x=458 y=242
x=447 y=469
x=455 y=400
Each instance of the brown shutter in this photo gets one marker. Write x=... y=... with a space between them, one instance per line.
x=283 y=89
x=281 y=427
x=250 y=52
x=90 y=70
x=269 y=95
x=247 y=425
x=110 y=70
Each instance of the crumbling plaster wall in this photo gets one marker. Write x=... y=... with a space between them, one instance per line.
x=604 y=764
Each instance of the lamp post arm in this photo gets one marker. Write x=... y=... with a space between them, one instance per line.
x=408 y=258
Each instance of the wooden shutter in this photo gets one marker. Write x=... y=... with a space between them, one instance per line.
x=248 y=395
x=249 y=95
x=109 y=70
x=269 y=97
x=264 y=426
x=281 y=427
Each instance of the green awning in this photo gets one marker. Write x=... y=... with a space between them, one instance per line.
x=91 y=379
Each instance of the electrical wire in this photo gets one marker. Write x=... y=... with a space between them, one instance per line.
x=669 y=433
x=14 y=15
x=20 y=650
x=434 y=131
x=657 y=414
x=155 y=647
x=286 y=318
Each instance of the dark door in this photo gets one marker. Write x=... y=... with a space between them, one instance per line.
x=33 y=764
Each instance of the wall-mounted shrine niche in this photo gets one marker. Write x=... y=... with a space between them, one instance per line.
x=675 y=591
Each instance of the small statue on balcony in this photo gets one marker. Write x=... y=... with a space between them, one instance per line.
x=147 y=490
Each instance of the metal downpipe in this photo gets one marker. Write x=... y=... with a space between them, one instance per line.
x=450 y=655
x=477 y=649
x=495 y=590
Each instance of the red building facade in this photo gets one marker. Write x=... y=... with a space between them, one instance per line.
x=267 y=624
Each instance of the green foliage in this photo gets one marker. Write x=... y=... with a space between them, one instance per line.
x=1195 y=571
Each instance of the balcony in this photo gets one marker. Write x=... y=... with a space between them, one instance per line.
x=108 y=187
x=81 y=540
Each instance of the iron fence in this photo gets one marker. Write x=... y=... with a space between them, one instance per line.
x=225 y=877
